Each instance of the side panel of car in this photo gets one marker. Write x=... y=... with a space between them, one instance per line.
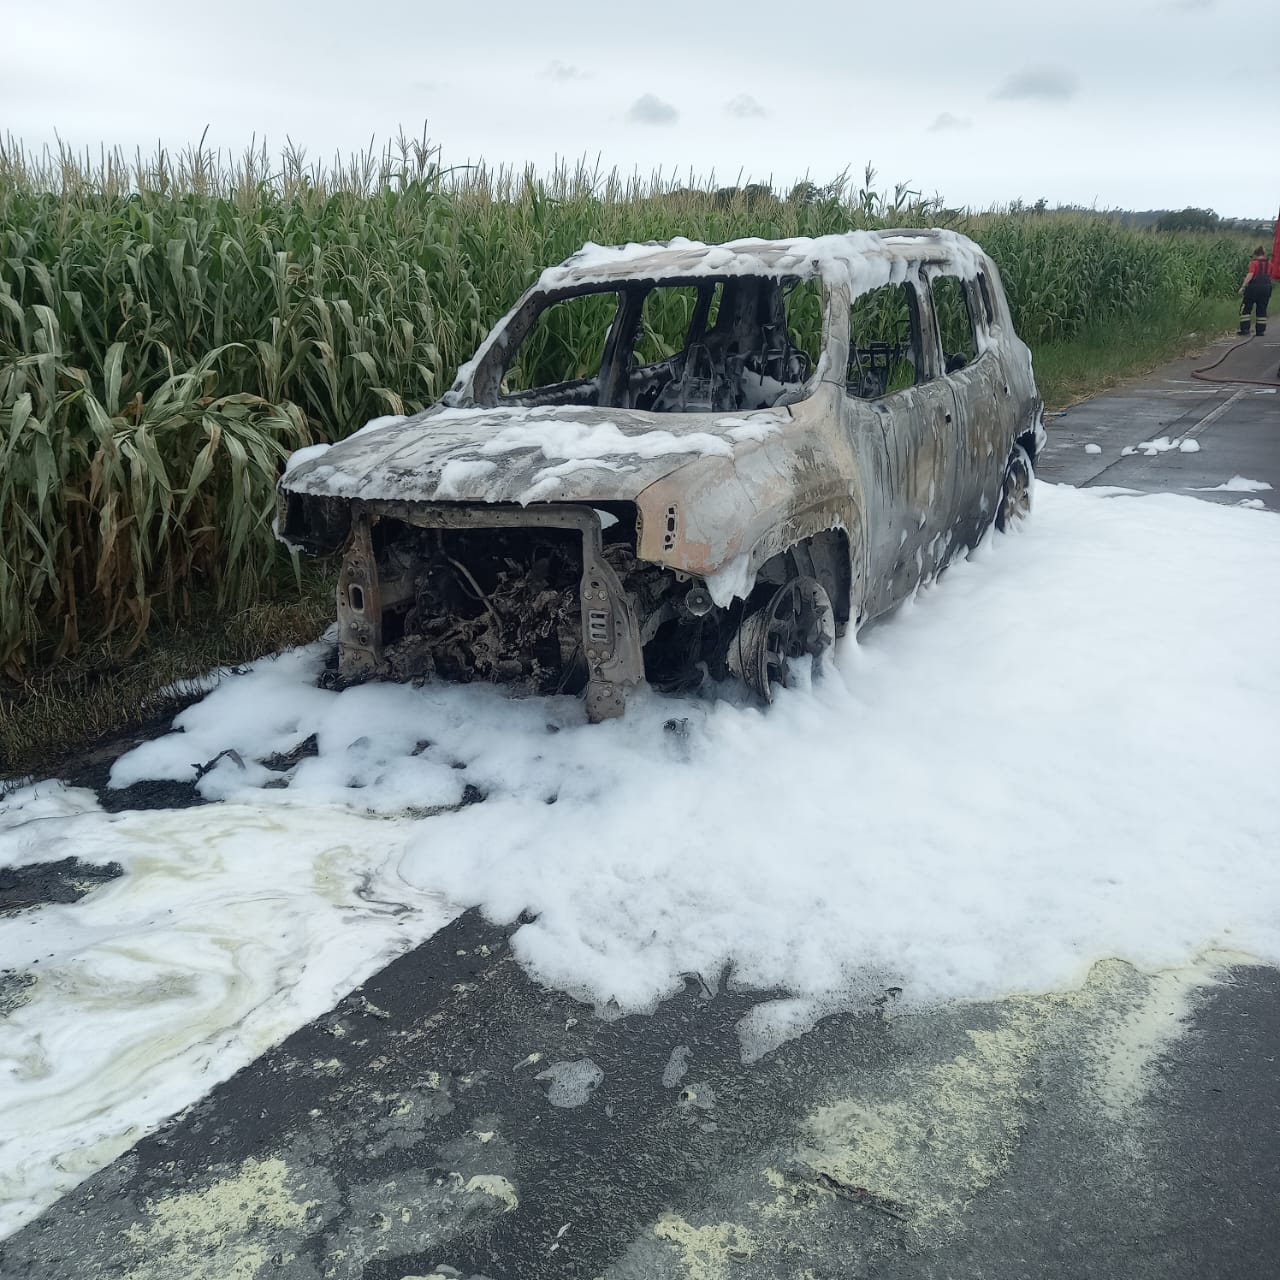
x=984 y=423
x=1015 y=356
x=721 y=520
x=903 y=445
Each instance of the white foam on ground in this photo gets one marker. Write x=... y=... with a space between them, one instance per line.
x=570 y=1084
x=231 y=927
x=1062 y=752
x=1237 y=484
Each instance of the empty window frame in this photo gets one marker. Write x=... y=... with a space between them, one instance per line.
x=884 y=342
x=731 y=345
x=563 y=349
x=671 y=315
x=955 y=322
x=711 y=345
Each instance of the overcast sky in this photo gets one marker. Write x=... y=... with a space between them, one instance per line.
x=1137 y=103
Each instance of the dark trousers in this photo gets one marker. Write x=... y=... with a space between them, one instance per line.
x=1256 y=297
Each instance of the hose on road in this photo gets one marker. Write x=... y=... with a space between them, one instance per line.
x=1204 y=376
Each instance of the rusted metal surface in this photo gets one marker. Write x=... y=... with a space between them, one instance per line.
x=586 y=535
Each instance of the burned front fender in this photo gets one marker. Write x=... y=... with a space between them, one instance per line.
x=722 y=519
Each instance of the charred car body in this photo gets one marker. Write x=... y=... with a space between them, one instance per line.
x=677 y=460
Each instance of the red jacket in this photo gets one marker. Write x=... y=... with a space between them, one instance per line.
x=1259 y=268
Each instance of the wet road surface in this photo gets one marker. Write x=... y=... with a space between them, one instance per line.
x=1233 y=426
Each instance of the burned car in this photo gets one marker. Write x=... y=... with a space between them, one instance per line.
x=678 y=461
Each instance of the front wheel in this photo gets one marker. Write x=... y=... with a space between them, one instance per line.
x=1015 y=490
x=797 y=621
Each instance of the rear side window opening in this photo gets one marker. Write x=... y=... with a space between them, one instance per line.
x=953 y=312
x=709 y=345
x=884 y=342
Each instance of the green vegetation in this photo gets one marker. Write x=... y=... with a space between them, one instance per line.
x=110 y=688
x=1105 y=355
x=170 y=329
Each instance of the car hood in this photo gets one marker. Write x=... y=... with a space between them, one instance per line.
x=521 y=455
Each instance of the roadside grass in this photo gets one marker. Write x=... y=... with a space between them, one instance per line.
x=1104 y=356
x=104 y=691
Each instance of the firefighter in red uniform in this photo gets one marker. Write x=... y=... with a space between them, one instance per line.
x=1255 y=294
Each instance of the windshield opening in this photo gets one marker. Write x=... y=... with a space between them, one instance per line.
x=716 y=345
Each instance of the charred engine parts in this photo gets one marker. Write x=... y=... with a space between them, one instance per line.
x=538 y=603
x=518 y=606
x=537 y=600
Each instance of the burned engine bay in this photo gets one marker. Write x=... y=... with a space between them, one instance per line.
x=521 y=604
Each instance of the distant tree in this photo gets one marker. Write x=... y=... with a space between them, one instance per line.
x=1188 y=220
x=1040 y=205
x=755 y=195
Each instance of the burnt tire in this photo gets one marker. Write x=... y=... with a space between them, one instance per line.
x=796 y=621
x=1014 y=504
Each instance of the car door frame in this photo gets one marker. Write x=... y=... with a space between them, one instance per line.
x=901 y=443
x=979 y=389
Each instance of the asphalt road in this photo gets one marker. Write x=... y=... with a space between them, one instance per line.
x=1127 y=1129
x=1235 y=427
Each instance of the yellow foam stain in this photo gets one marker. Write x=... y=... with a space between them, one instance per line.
x=1131 y=1017
x=919 y=1141
x=795 y=1196
x=97 y=991
x=948 y=1136
x=497 y=1187
x=706 y=1253
x=949 y=1129
x=201 y=1235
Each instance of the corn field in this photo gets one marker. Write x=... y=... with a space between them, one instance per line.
x=171 y=329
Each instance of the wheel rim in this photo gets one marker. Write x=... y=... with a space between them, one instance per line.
x=1015 y=490
x=797 y=621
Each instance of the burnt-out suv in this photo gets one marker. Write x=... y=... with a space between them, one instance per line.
x=674 y=461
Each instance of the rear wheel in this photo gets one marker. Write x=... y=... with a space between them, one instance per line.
x=797 y=621
x=1015 y=490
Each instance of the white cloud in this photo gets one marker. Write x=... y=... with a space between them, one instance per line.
x=563 y=71
x=650 y=109
x=1143 y=91
x=946 y=123
x=745 y=107
x=1051 y=84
